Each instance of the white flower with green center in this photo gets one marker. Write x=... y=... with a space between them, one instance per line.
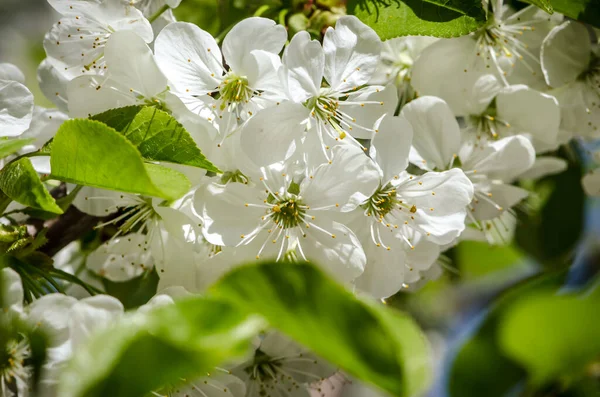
x=329 y=82
x=75 y=45
x=193 y=63
x=297 y=217
x=395 y=65
x=281 y=368
x=571 y=65
x=14 y=372
x=149 y=235
x=491 y=167
x=133 y=79
x=494 y=112
x=16 y=102
x=506 y=46
x=403 y=222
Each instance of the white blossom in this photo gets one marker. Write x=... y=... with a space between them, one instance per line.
x=75 y=44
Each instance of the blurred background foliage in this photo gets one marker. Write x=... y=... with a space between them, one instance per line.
x=519 y=319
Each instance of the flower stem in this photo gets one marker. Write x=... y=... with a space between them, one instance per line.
x=158 y=13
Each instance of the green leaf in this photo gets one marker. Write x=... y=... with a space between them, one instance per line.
x=477 y=259
x=88 y=152
x=20 y=182
x=543 y=4
x=10 y=146
x=394 y=18
x=157 y=135
x=481 y=364
x=582 y=10
x=569 y=340
x=144 y=352
x=369 y=341
x=538 y=234
x=472 y=8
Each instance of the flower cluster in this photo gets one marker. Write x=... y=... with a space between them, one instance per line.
x=369 y=159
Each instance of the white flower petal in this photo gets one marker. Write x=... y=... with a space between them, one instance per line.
x=85 y=99
x=349 y=180
x=226 y=217
x=544 y=166
x=385 y=269
x=52 y=313
x=248 y=35
x=262 y=72
x=179 y=225
x=377 y=101
x=121 y=259
x=12 y=290
x=451 y=82
x=391 y=145
x=436 y=133
x=565 y=53
x=131 y=62
x=503 y=196
x=91 y=315
x=44 y=124
x=342 y=257
x=53 y=84
x=96 y=201
x=273 y=134
x=189 y=57
x=352 y=52
x=304 y=63
x=437 y=193
x=484 y=90
x=16 y=108
x=441 y=229
x=530 y=112
x=509 y=158
x=8 y=71
x=75 y=45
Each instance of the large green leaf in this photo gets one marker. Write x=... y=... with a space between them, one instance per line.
x=481 y=364
x=88 y=152
x=20 y=182
x=393 y=18
x=144 y=352
x=10 y=146
x=553 y=335
x=543 y=4
x=157 y=135
x=478 y=259
x=582 y=10
x=369 y=341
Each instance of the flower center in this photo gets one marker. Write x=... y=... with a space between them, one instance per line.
x=383 y=202
x=134 y=217
x=234 y=89
x=503 y=38
x=12 y=361
x=487 y=124
x=288 y=213
x=234 y=176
